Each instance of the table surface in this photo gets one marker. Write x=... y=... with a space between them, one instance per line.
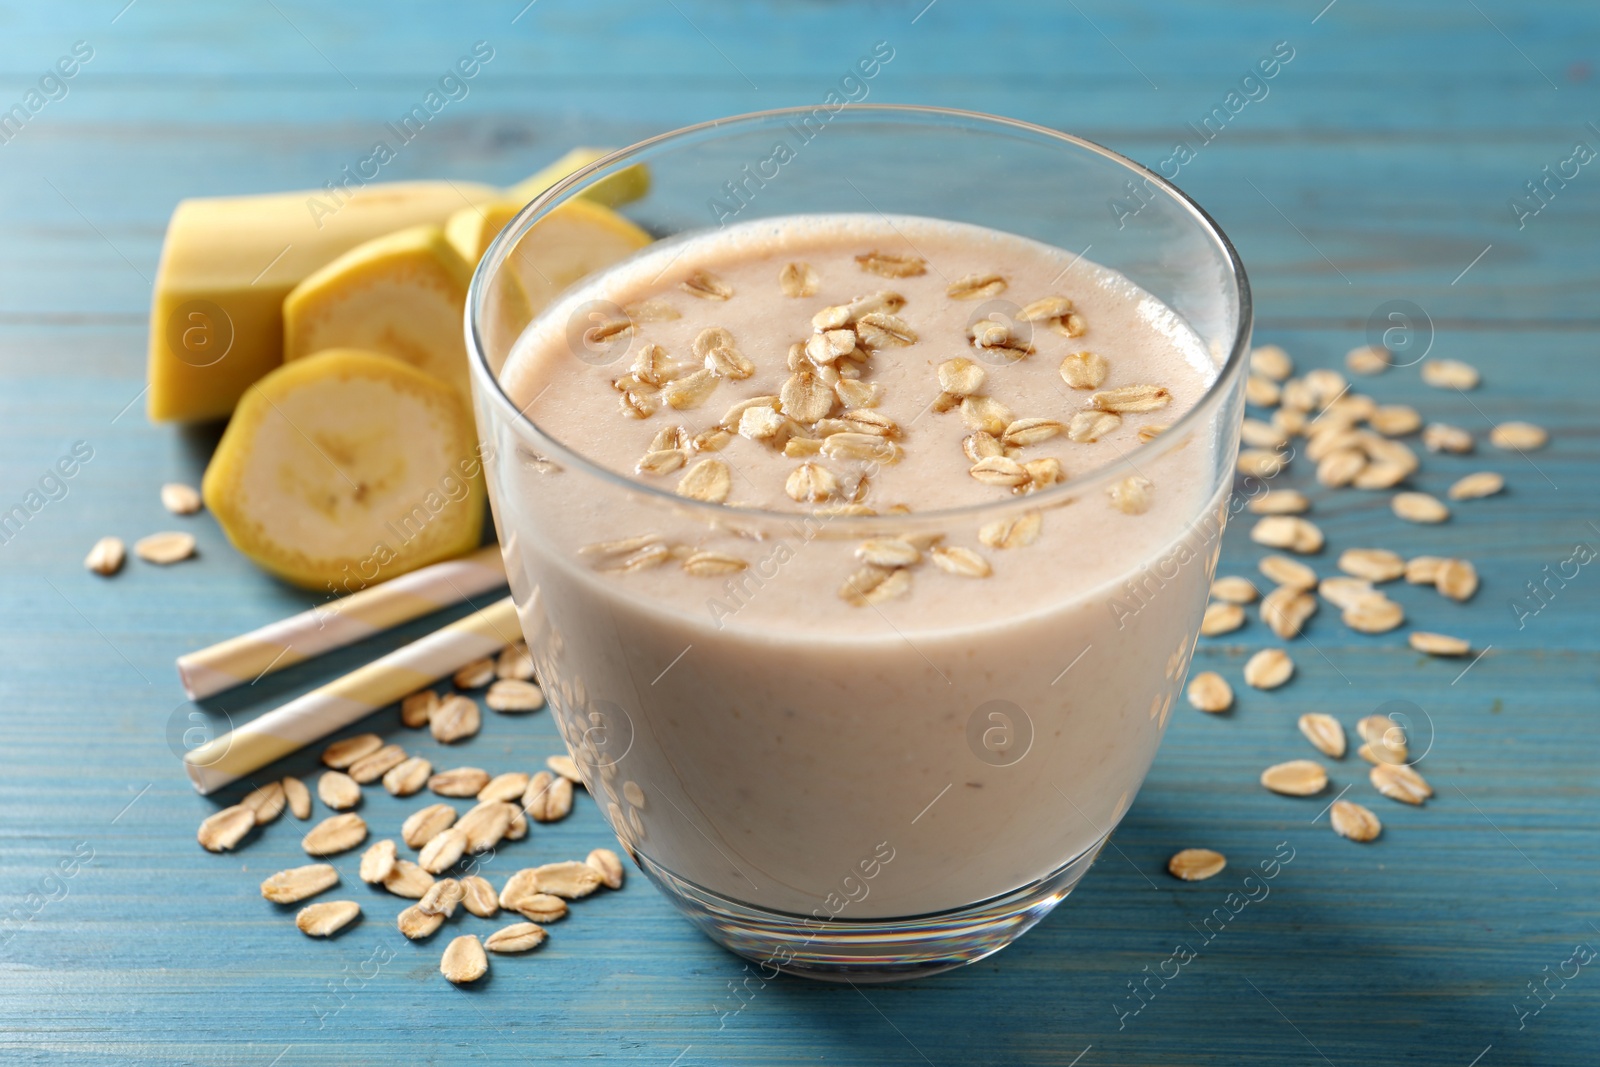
x=1381 y=166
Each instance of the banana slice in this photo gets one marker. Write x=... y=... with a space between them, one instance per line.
x=576 y=239
x=627 y=184
x=347 y=468
x=470 y=230
x=401 y=295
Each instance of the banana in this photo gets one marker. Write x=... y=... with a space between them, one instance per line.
x=470 y=230
x=574 y=240
x=401 y=295
x=630 y=183
x=347 y=468
x=216 y=318
x=227 y=264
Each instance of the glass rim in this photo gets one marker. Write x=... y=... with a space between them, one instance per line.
x=1060 y=494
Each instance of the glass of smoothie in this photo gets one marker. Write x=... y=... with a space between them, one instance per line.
x=861 y=520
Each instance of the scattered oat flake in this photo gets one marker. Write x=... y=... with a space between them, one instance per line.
x=180 y=499
x=425 y=824
x=518 y=937
x=478 y=896
x=106 y=556
x=222 y=830
x=442 y=851
x=1419 y=508
x=1373 y=564
x=1449 y=374
x=1440 y=437
x=298 y=797
x=1268 y=669
x=463 y=961
x=164 y=548
x=338 y=790
x=1233 y=589
x=1373 y=614
x=1286 y=609
x=607 y=865
x=267 y=801
x=456 y=719
x=1368 y=360
x=475 y=675
x=1456 y=579
x=514 y=663
x=327 y=918
x=1260 y=463
x=1286 y=571
x=1474 y=486
x=417 y=924
x=459 y=782
x=1280 y=502
x=1261 y=392
x=1222 y=617
x=1518 y=436
x=370 y=768
x=1296 y=778
x=1397 y=781
x=298 y=883
x=1210 y=692
x=1324 y=732
x=566 y=767
x=1196 y=864
x=418 y=708
x=1270 y=361
x=1288 y=531
x=335 y=834
x=513 y=695
x=1354 y=821
x=1439 y=644
x=377 y=862
x=345 y=752
x=1422 y=570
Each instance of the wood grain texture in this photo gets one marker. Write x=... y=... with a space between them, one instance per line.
x=1379 y=166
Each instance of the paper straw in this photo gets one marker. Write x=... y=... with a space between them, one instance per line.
x=342 y=622
x=356 y=695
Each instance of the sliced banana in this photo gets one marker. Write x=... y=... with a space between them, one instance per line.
x=348 y=467
x=574 y=240
x=401 y=295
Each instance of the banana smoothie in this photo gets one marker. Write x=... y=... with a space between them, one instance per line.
x=838 y=605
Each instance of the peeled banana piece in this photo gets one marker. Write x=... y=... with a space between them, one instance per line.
x=630 y=183
x=470 y=230
x=574 y=240
x=402 y=295
x=347 y=468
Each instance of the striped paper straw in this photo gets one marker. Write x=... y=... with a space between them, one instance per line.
x=277 y=645
x=356 y=695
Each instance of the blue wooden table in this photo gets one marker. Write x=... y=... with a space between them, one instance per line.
x=1382 y=165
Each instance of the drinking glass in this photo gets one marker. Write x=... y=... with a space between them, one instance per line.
x=833 y=791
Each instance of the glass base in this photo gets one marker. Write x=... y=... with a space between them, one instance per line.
x=869 y=950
